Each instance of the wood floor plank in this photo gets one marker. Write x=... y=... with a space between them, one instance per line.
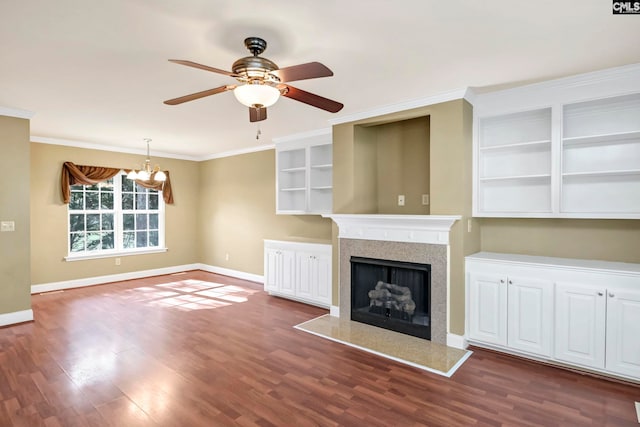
x=199 y=349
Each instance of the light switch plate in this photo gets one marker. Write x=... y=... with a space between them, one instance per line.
x=7 y=226
x=401 y=200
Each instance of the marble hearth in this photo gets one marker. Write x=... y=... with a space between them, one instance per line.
x=412 y=238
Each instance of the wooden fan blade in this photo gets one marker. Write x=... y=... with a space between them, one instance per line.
x=202 y=67
x=310 y=70
x=257 y=114
x=311 y=99
x=198 y=95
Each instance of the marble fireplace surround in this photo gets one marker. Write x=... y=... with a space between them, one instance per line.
x=413 y=238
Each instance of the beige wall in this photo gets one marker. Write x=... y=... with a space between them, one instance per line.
x=15 y=290
x=237 y=211
x=49 y=215
x=608 y=240
x=404 y=143
x=450 y=141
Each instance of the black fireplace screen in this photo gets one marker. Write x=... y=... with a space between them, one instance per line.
x=392 y=294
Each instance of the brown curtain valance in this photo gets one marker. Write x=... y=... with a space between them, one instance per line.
x=88 y=175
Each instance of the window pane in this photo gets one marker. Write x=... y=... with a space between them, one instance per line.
x=141 y=221
x=92 y=187
x=127 y=184
x=127 y=201
x=140 y=189
x=108 y=240
x=76 y=222
x=107 y=221
x=153 y=238
x=77 y=200
x=107 y=185
x=76 y=187
x=128 y=220
x=153 y=221
x=93 y=241
x=93 y=222
x=141 y=239
x=93 y=200
x=141 y=201
x=153 y=201
x=106 y=200
x=76 y=242
x=128 y=239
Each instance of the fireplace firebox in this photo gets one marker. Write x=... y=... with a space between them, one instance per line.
x=394 y=295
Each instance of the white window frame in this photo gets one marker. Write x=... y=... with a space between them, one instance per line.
x=118 y=226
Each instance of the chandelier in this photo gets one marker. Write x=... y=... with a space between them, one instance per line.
x=147 y=173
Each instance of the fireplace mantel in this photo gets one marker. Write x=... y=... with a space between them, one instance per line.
x=431 y=229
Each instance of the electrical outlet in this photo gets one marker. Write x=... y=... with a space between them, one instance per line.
x=469 y=225
x=8 y=226
x=401 y=200
x=425 y=199
x=117 y=261
x=226 y=256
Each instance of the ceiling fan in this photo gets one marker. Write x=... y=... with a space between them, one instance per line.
x=261 y=82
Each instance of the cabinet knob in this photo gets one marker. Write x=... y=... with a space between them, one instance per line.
x=600 y=294
x=501 y=280
x=611 y=295
x=510 y=282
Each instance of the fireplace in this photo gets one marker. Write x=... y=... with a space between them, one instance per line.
x=394 y=295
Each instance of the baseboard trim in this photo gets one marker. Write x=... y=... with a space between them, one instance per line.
x=334 y=311
x=16 y=317
x=100 y=280
x=457 y=341
x=233 y=273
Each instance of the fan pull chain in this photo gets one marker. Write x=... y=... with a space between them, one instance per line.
x=259 y=132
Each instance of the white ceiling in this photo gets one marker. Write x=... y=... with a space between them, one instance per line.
x=96 y=72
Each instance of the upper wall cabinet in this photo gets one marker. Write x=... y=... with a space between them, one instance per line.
x=568 y=148
x=304 y=174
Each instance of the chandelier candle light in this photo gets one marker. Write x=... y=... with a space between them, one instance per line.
x=147 y=173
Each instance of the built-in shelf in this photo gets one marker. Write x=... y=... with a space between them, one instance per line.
x=515 y=177
x=607 y=138
x=305 y=174
x=517 y=145
x=553 y=150
x=288 y=170
x=603 y=173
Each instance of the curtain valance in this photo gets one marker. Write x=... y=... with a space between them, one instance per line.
x=89 y=175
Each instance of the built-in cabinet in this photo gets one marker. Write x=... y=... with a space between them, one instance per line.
x=568 y=148
x=573 y=312
x=304 y=174
x=299 y=271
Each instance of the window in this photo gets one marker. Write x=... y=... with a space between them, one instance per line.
x=113 y=217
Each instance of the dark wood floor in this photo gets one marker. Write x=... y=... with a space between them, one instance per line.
x=198 y=349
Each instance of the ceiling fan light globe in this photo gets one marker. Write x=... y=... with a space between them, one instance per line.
x=256 y=95
x=160 y=176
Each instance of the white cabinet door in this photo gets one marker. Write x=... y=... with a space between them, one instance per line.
x=623 y=332
x=530 y=315
x=488 y=308
x=287 y=283
x=580 y=324
x=322 y=278
x=305 y=275
x=272 y=269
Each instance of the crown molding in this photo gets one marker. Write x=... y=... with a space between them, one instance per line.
x=303 y=135
x=402 y=106
x=102 y=147
x=16 y=112
x=237 y=152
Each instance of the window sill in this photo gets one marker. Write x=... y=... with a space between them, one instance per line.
x=84 y=257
